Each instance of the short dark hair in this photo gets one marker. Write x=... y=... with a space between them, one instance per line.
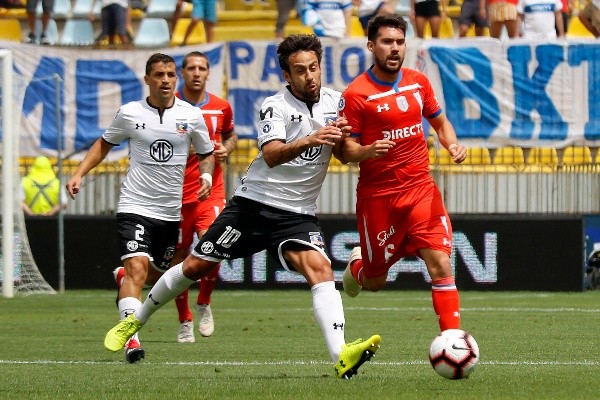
x=194 y=54
x=157 y=58
x=295 y=43
x=385 y=20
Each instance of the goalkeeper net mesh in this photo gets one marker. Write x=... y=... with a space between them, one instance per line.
x=26 y=276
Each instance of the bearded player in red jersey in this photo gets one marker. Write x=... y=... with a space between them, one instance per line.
x=196 y=216
x=399 y=208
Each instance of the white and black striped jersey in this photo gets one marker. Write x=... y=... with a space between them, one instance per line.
x=158 y=151
x=295 y=185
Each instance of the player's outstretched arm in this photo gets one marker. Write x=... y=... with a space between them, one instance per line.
x=353 y=151
x=276 y=152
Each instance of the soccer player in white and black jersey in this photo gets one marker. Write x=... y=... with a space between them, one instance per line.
x=274 y=206
x=160 y=130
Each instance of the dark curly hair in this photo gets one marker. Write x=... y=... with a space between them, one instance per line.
x=385 y=20
x=295 y=43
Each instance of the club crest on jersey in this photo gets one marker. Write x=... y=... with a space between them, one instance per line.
x=402 y=103
x=330 y=120
x=342 y=104
x=181 y=127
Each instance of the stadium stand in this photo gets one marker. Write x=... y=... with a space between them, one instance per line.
x=11 y=30
x=197 y=36
x=244 y=153
x=446 y=29
x=51 y=31
x=77 y=32
x=577 y=30
x=81 y=9
x=577 y=155
x=61 y=10
x=152 y=32
x=508 y=156
x=161 y=8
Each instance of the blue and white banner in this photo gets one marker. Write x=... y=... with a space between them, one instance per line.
x=93 y=85
x=496 y=93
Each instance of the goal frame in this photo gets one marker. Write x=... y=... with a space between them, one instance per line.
x=8 y=180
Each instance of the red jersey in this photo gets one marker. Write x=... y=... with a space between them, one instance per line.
x=219 y=119
x=378 y=110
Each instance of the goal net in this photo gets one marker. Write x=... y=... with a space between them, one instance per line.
x=18 y=270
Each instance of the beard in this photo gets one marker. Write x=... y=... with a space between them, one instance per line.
x=383 y=66
x=306 y=94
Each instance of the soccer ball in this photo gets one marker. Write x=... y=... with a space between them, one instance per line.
x=454 y=354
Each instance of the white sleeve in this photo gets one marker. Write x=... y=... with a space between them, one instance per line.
x=272 y=121
x=200 y=137
x=116 y=132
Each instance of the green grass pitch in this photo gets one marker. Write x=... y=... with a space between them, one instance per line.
x=267 y=345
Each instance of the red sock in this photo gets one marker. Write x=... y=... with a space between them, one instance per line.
x=356 y=269
x=446 y=303
x=207 y=285
x=183 y=307
x=119 y=275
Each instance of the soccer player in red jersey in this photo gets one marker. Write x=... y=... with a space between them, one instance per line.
x=196 y=216
x=399 y=208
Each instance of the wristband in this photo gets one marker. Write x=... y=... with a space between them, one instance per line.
x=207 y=177
x=452 y=146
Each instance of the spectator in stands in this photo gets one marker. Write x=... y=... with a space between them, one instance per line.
x=327 y=18
x=205 y=10
x=566 y=15
x=47 y=7
x=41 y=189
x=590 y=17
x=540 y=18
x=501 y=14
x=367 y=9
x=470 y=15
x=424 y=11
x=284 y=7
x=114 y=20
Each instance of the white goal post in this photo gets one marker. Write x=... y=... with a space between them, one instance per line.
x=19 y=273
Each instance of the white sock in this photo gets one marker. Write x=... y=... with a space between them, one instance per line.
x=169 y=286
x=127 y=306
x=329 y=312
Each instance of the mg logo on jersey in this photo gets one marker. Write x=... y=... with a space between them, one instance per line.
x=402 y=103
x=161 y=150
x=181 y=127
x=385 y=107
x=311 y=154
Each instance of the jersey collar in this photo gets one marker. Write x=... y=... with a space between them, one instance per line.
x=394 y=85
x=201 y=104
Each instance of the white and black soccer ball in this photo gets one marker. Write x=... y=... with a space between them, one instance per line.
x=454 y=354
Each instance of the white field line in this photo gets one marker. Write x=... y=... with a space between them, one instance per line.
x=292 y=362
x=463 y=309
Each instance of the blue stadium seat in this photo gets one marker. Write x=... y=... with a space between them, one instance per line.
x=81 y=8
x=51 y=31
x=77 y=32
x=161 y=8
x=153 y=32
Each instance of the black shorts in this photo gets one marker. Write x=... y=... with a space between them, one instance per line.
x=154 y=238
x=428 y=8
x=469 y=14
x=246 y=227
